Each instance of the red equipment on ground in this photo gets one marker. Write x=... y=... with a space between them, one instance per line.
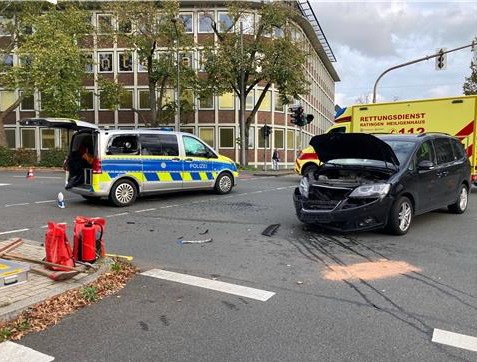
x=88 y=244
x=57 y=246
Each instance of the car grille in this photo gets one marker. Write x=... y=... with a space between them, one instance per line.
x=324 y=197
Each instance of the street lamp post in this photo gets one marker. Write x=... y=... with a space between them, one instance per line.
x=178 y=101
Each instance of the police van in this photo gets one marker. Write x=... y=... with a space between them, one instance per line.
x=123 y=164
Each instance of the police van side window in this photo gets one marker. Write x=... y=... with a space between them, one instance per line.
x=444 y=150
x=159 y=144
x=123 y=144
x=194 y=148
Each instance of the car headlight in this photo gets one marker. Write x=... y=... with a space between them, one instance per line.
x=374 y=190
x=304 y=187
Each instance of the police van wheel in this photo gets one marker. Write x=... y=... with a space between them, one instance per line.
x=224 y=183
x=123 y=193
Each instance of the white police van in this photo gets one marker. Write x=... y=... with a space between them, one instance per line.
x=122 y=164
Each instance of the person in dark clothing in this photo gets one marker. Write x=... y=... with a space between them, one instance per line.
x=275 y=160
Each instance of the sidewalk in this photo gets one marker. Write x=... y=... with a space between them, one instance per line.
x=37 y=288
x=283 y=172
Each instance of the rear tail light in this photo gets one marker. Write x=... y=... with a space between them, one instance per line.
x=308 y=156
x=96 y=166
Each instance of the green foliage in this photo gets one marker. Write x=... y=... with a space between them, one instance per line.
x=115 y=267
x=89 y=294
x=24 y=157
x=52 y=158
x=110 y=93
x=6 y=157
x=5 y=333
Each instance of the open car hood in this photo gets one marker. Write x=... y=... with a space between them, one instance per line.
x=330 y=146
x=64 y=123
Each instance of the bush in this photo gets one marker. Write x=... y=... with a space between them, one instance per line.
x=52 y=158
x=24 y=157
x=6 y=157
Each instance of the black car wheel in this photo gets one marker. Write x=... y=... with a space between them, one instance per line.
x=123 y=193
x=400 y=216
x=224 y=183
x=461 y=203
x=308 y=169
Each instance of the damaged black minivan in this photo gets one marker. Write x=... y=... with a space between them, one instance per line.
x=371 y=182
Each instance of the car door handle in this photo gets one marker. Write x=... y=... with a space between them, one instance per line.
x=188 y=160
x=176 y=159
x=442 y=173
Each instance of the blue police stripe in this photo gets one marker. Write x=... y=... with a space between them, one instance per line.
x=176 y=176
x=209 y=175
x=195 y=176
x=151 y=176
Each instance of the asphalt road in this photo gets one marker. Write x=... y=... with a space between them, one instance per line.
x=309 y=316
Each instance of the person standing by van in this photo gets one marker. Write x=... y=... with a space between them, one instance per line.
x=275 y=160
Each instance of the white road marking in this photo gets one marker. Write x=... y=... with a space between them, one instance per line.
x=16 y=352
x=145 y=210
x=59 y=223
x=234 y=289
x=168 y=206
x=5 y=184
x=121 y=214
x=454 y=339
x=52 y=177
x=22 y=204
x=43 y=202
x=13 y=231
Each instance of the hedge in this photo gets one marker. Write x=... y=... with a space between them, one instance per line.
x=24 y=157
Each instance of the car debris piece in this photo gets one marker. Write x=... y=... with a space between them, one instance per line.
x=270 y=230
x=180 y=241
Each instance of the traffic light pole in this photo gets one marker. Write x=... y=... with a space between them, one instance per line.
x=416 y=61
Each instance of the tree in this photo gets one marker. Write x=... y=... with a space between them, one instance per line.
x=48 y=40
x=270 y=56
x=153 y=33
x=470 y=84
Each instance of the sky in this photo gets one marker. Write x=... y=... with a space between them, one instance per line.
x=369 y=37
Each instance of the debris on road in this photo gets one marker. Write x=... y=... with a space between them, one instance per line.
x=270 y=230
x=181 y=242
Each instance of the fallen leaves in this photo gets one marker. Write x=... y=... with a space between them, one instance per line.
x=51 y=311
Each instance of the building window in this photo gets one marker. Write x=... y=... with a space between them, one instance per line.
x=251 y=138
x=87 y=58
x=250 y=101
x=144 y=99
x=226 y=137
x=290 y=139
x=87 y=100
x=266 y=104
x=279 y=142
x=28 y=103
x=104 y=23
x=141 y=65
x=125 y=62
x=187 y=130
x=187 y=59
x=10 y=134
x=7 y=98
x=7 y=60
x=187 y=21
x=278 y=103
x=202 y=60
x=207 y=135
x=168 y=96
x=205 y=22
x=226 y=101
x=102 y=103
x=47 y=138
x=225 y=22
x=263 y=142
x=28 y=138
x=65 y=138
x=126 y=99
x=125 y=26
x=247 y=24
x=105 y=62
x=206 y=102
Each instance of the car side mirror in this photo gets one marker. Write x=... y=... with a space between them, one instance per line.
x=425 y=165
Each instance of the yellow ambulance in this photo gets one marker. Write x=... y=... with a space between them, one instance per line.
x=456 y=116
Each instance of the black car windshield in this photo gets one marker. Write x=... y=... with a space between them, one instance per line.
x=402 y=149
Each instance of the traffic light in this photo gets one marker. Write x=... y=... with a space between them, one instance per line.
x=266 y=130
x=441 y=60
x=297 y=116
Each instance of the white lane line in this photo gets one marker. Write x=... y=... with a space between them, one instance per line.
x=454 y=339
x=16 y=352
x=22 y=204
x=13 y=231
x=121 y=214
x=59 y=223
x=5 y=184
x=145 y=210
x=168 y=206
x=46 y=177
x=43 y=202
x=242 y=291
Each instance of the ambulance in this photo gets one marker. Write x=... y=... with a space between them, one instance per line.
x=455 y=116
x=123 y=164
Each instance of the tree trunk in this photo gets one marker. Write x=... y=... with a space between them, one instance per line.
x=3 y=115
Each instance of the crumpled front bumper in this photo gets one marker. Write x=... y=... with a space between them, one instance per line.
x=371 y=215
